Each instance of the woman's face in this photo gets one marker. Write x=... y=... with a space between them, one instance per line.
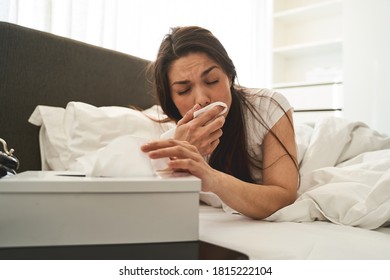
x=197 y=79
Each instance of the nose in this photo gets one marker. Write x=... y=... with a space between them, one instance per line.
x=202 y=98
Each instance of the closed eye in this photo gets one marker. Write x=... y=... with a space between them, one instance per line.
x=212 y=82
x=183 y=91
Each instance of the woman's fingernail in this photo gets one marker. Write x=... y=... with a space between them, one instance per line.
x=145 y=146
x=152 y=155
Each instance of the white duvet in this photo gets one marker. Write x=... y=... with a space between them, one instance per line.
x=345 y=175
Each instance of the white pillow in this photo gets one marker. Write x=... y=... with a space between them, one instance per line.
x=52 y=139
x=72 y=136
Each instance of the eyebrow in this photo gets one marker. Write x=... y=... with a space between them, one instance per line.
x=204 y=73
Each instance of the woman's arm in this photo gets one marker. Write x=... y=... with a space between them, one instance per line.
x=257 y=201
x=280 y=177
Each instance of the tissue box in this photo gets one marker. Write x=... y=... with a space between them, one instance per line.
x=39 y=208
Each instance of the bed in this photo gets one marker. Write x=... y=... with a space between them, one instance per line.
x=343 y=209
x=318 y=240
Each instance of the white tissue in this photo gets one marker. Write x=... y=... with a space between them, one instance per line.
x=209 y=107
x=171 y=132
x=168 y=134
x=123 y=158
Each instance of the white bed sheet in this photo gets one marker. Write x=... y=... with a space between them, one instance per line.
x=290 y=240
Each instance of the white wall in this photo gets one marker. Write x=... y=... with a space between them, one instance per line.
x=242 y=26
x=367 y=62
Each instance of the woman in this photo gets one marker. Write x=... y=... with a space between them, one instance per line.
x=246 y=156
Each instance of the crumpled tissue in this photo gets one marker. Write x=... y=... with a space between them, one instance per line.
x=123 y=158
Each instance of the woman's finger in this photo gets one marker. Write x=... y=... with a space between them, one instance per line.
x=209 y=115
x=189 y=115
x=171 y=149
x=159 y=144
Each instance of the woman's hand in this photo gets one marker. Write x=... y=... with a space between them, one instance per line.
x=183 y=157
x=204 y=131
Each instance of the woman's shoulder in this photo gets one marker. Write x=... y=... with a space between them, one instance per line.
x=264 y=97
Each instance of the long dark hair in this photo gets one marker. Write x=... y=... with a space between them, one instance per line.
x=231 y=155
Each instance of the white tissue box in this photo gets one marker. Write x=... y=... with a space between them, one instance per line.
x=53 y=208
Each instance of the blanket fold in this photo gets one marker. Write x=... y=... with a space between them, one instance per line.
x=345 y=176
